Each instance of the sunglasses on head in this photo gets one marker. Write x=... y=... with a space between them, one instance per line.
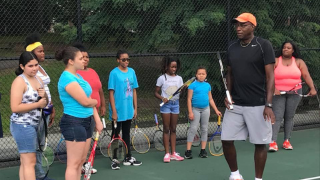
x=125 y=59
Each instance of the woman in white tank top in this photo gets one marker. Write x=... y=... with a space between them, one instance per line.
x=25 y=90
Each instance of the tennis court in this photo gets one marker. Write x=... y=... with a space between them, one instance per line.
x=301 y=163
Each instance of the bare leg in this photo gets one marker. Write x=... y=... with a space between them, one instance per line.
x=173 y=136
x=260 y=158
x=166 y=131
x=230 y=154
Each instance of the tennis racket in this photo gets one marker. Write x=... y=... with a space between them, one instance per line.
x=215 y=144
x=224 y=80
x=157 y=137
x=117 y=148
x=89 y=165
x=104 y=141
x=197 y=137
x=42 y=131
x=294 y=90
x=61 y=150
x=140 y=140
x=186 y=84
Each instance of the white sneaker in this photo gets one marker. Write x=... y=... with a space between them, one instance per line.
x=93 y=170
x=132 y=161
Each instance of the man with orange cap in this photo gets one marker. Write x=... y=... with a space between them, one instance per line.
x=250 y=80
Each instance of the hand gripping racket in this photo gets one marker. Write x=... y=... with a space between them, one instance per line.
x=186 y=84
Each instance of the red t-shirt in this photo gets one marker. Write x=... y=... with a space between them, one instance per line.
x=93 y=79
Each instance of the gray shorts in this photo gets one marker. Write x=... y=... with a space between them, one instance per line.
x=244 y=121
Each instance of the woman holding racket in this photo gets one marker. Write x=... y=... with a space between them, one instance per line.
x=122 y=87
x=25 y=102
x=91 y=76
x=78 y=111
x=34 y=45
x=199 y=98
x=168 y=83
x=289 y=69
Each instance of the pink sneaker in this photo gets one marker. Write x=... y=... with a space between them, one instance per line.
x=166 y=158
x=176 y=156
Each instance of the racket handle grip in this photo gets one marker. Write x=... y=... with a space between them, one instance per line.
x=229 y=99
x=104 y=123
x=115 y=124
x=156 y=118
x=161 y=104
x=97 y=136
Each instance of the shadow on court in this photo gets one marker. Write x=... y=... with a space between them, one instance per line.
x=300 y=163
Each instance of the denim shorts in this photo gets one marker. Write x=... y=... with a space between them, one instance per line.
x=25 y=137
x=170 y=107
x=75 y=129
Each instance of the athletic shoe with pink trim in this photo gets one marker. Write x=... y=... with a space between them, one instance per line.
x=176 y=156
x=166 y=158
x=273 y=147
x=286 y=145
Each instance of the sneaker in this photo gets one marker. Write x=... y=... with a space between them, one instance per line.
x=93 y=171
x=166 y=158
x=203 y=153
x=129 y=161
x=115 y=164
x=236 y=177
x=286 y=145
x=273 y=147
x=188 y=154
x=176 y=156
x=46 y=178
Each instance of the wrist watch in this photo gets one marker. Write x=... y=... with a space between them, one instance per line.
x=268 y=105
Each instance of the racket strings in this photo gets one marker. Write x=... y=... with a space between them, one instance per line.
x=140 y=142
x=157 y=140
x=104 y=142
x=117 y=149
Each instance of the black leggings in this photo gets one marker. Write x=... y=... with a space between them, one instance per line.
x=126 y=126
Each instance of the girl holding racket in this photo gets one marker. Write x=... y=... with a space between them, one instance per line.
x=168 y=83
x=92 y=77
x=199 y=98
x=122 y=87
x=25 y=102
x=289 y=69
x=78 y=111
x=34 y=45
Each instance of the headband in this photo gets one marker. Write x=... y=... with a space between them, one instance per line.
x=31 y=47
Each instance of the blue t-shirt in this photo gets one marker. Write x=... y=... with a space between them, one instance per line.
x=200 y=97
x=123 y=84
x=71 y=106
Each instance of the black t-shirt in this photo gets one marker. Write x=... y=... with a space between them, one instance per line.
x=248 y=70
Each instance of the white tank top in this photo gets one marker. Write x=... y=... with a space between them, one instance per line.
x=30 y=96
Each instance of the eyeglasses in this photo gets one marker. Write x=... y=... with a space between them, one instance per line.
x=125 y=59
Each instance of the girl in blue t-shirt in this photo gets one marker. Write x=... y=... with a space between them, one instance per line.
x=78 y=110
x=168 y=83
x=123 y=106
x=199 y=98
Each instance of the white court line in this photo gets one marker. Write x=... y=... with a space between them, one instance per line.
x=312 y=178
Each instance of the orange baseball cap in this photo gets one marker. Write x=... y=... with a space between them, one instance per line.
x=245 y=17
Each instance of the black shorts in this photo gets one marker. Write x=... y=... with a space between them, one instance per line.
x=76 y=129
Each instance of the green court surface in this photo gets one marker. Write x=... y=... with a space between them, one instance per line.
x=301 y=163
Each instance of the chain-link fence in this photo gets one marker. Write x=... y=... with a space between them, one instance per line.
x=148 y=29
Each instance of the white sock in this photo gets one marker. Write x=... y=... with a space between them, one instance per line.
x=235 y=173
x=257 y=179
